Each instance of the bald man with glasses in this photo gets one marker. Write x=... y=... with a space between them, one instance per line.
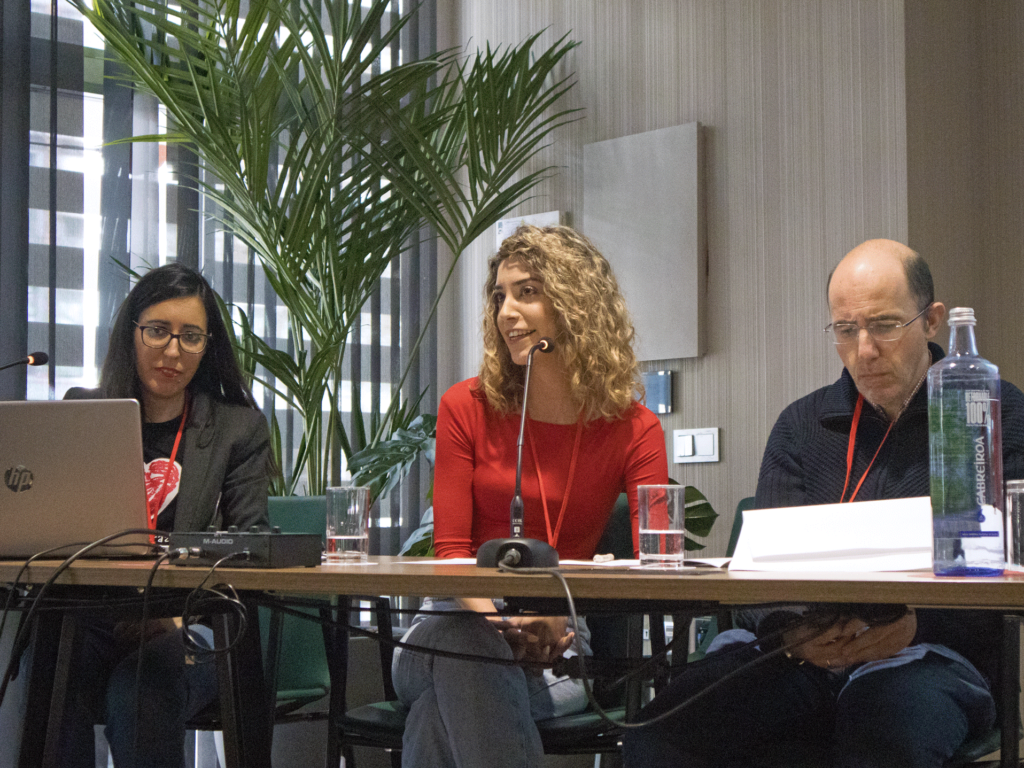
x=887 y=687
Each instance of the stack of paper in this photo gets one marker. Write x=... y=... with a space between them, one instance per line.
x=890 y=535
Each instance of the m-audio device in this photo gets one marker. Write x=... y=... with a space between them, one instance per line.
x=254 y=548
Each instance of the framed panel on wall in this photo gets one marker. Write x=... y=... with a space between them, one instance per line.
x=643 y=207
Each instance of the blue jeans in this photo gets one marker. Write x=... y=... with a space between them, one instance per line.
x=466 y=714
x=911 y=716
x=102 y=688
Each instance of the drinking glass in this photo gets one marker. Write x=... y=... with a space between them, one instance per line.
x=662 y=525
x=1014 y=510
x=348 y=518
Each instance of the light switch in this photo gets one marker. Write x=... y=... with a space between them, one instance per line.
x=694 y=445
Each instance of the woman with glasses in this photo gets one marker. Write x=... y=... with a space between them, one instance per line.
x=207 y=452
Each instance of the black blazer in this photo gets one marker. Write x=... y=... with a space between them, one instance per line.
x=226 y=472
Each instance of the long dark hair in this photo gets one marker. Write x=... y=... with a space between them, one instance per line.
x=218 y=374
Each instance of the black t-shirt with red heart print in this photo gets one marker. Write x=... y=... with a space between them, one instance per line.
x=157 y=444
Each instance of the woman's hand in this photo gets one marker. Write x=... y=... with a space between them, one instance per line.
x=851 y=641
x=538 y=639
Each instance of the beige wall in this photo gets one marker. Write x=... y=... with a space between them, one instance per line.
x=965 y=162
x=805 y=110
x=1001 y=45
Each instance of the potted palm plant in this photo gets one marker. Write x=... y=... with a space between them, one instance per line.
x=326 y=167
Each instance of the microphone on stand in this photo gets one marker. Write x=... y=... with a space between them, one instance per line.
x=517 y=552
x=36 y=358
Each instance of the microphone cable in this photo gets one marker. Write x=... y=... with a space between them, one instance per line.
x=287 y=607
x=588 y=689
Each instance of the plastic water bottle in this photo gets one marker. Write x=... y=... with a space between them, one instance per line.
x=965 y=442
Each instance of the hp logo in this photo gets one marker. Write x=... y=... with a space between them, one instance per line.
x=18 y=478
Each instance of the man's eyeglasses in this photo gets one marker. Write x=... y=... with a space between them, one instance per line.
x=155 y=337
x=879 y=330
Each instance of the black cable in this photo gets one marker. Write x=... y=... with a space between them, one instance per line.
x=90 y=604
x=14 y=587
x=681 y=705
x=17 y=578
x=391 y=642
x=286 y=608
x=142 y=643
x=195 y=605
x=30 y=614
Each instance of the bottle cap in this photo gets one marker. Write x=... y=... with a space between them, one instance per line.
x=961 y=316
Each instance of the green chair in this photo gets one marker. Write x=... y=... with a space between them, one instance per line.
x=296 y=662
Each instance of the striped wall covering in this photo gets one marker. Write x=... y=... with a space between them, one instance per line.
x=804 y=107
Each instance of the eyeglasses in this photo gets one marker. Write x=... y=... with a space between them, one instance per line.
x=879 y=330
x=155 y=337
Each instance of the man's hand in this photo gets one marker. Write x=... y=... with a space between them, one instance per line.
x=537 y=639
x=850 y=641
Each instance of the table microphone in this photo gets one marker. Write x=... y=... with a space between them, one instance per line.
x=517 y=551
x=36 y=358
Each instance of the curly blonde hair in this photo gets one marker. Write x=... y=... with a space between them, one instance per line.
x=594 y=332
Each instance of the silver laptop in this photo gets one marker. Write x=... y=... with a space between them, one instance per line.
x=71 y=473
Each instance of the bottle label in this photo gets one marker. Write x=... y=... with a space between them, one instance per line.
x=979 y=413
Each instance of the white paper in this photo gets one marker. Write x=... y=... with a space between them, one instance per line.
x=889 y=535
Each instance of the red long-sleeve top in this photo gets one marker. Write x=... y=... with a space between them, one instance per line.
x=475 y=473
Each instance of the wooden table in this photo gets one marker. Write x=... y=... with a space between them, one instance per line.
x=415 y=577
x=632 y=590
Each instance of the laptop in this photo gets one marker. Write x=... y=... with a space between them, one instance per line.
x=71 y=472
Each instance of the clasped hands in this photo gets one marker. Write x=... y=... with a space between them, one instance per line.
x=849 y=640
x=132 y=632
x=537 y=639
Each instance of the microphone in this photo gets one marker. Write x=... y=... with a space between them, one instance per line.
x=517 y=552
x=36 y=358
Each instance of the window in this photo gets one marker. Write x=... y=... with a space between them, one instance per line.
x=78 y=210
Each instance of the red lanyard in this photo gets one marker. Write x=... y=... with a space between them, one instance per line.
x=849 y=450
x=153 y=505
x=553 y=535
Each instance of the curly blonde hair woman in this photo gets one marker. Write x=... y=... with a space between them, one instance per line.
x=586 y=440
x=594 y=335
